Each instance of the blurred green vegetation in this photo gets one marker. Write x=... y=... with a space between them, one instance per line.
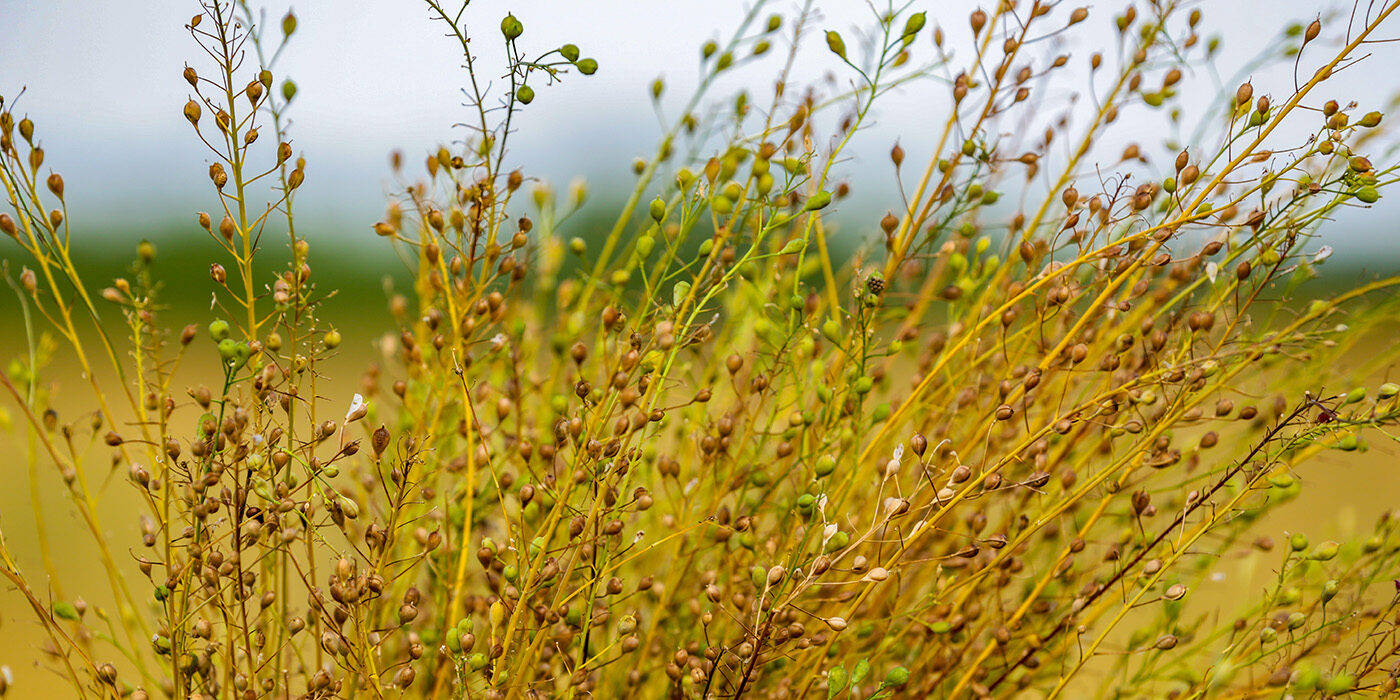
x=359 y=270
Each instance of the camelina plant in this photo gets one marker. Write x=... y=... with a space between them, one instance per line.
x=717 y=449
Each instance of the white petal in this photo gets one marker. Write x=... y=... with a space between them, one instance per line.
x=356 y=403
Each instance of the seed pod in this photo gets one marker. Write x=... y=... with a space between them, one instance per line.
x=836 y=44
x=977 y=20
x=511 y=27
x=1244 y=94
x=192 y=112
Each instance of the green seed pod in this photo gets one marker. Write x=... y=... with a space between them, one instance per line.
x=826 y=464
x=241 y=353
x=863 y=385
x=914 y=24
x=836 y=681
x=838 y=542
x=228 y=350
x=1330 y=588
x=774 y=22
x=219 y=329
x=525 y=94
x=511 y=27
x=577 y=246
x=1340 y=684
x=645 y=244
x=794 y=246
x=1368 y=194
x=818 y=201
x=831 y=330
x=476 y=661
x=1325 y=551
x=861 y=671
x=289 y=90
x=1370 y=120
x=65 y=611
x=569 y=52
x=1388 y=390
x=764 y=184
x=587 y=66
x=836 y=44
x=898 y=675
x=331 y=338
x=758 y=576
x=658 y=210
x=1298 y=542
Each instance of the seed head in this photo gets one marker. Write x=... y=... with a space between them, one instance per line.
x=192 y=112
x=1244 y=94
x=836 y=44
x=511 y=27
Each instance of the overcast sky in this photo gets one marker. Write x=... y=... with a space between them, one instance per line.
x=103 y=82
